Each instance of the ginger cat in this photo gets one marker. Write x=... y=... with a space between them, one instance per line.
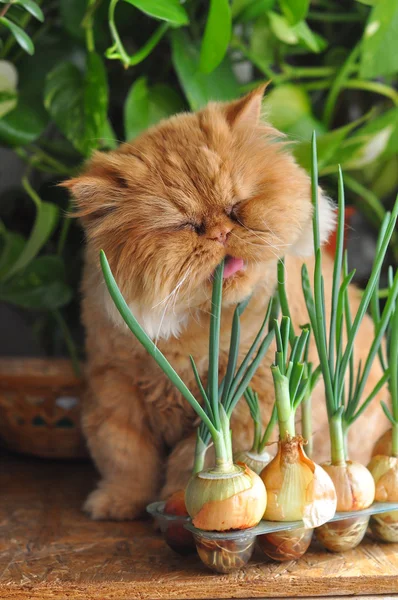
x=166 y=208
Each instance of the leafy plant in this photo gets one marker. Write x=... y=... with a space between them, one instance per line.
x=82 y=75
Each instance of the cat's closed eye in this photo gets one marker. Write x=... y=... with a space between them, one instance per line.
x=197 y=228
x=233 y=212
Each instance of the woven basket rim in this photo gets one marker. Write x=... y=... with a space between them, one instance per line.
x=51 y=371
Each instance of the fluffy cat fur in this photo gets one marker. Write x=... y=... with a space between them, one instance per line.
x=166 y=208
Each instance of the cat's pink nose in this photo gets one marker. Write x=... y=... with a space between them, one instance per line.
x=219 y=233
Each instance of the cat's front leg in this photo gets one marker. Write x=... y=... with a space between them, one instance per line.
x=123 y=448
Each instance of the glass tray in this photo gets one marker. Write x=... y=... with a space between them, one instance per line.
x=228 y=551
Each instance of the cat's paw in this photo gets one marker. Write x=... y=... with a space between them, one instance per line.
x=105 y=503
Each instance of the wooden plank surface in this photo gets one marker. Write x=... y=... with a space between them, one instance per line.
x=49 y=549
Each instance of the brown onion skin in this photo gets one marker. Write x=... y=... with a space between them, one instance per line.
x=354 y=485
x=175 y=504
x=318 y=501
x=384 y=526
x=176 y=536
x=383 y=446
x=385 y=471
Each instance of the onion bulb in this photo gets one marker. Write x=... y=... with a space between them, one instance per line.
x=256 y=462
x=219 y=501
x=355 y=490
x=177 y=537
x=297 y=490
x=384 y=470
x=384 y=444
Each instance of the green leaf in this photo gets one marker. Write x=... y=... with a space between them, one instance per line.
x=312 y=41
x=379 y=54
x=146 y=106
x=249 y=10
x=263 y=44
x=39 y=286
x=32 y=7
x=46 y=220
x=19 y=34
x=282 y=29
x=22 y=125
x=199 y=88
x=136 y=109
x=380 y=123
x=78 y=104
x=95 y=102
x=63 y=98
x=286 y=104
x=167 y=10
x=12 y=248
x=328 y=147
x=108 y=136
x=8 y=87
x=216 y=36
x=295 y=10
x=303 y=128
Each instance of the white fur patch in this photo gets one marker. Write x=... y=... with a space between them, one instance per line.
x=156 y=324
x=327 y=223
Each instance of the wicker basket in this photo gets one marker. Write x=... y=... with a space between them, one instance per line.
x=40 y=408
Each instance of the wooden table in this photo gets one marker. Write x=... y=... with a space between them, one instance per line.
x=49 y=549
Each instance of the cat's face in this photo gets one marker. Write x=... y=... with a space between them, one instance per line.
x=169 y=206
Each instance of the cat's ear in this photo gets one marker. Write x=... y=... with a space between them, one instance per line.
x=247 y=110
x=327 y=224
x=98 y=190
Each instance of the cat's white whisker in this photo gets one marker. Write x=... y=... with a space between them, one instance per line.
x=174 y=290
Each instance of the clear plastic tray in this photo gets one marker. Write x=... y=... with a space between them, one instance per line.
x=227 y=551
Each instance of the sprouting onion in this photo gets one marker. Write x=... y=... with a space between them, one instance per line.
x=257 y=457
x=297 y=488
x=310 y=373
x=227 y=496
x=344 y=388
x=384 y=465
x=236 y=379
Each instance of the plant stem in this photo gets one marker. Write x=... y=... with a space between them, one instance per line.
x=283 y=405
x=256 y=437
x=200 y=454
x=394 y=440
x=306 y=421
x=268 y=430
x=223 y=459
x=226 y=431
x=88 y=24
x=330 y=102
x=214 y=342
x=66 y=223
x=315 y=15
x=337 y=439
x=373 y=86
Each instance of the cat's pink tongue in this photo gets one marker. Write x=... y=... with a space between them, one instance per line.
x=232 y=265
